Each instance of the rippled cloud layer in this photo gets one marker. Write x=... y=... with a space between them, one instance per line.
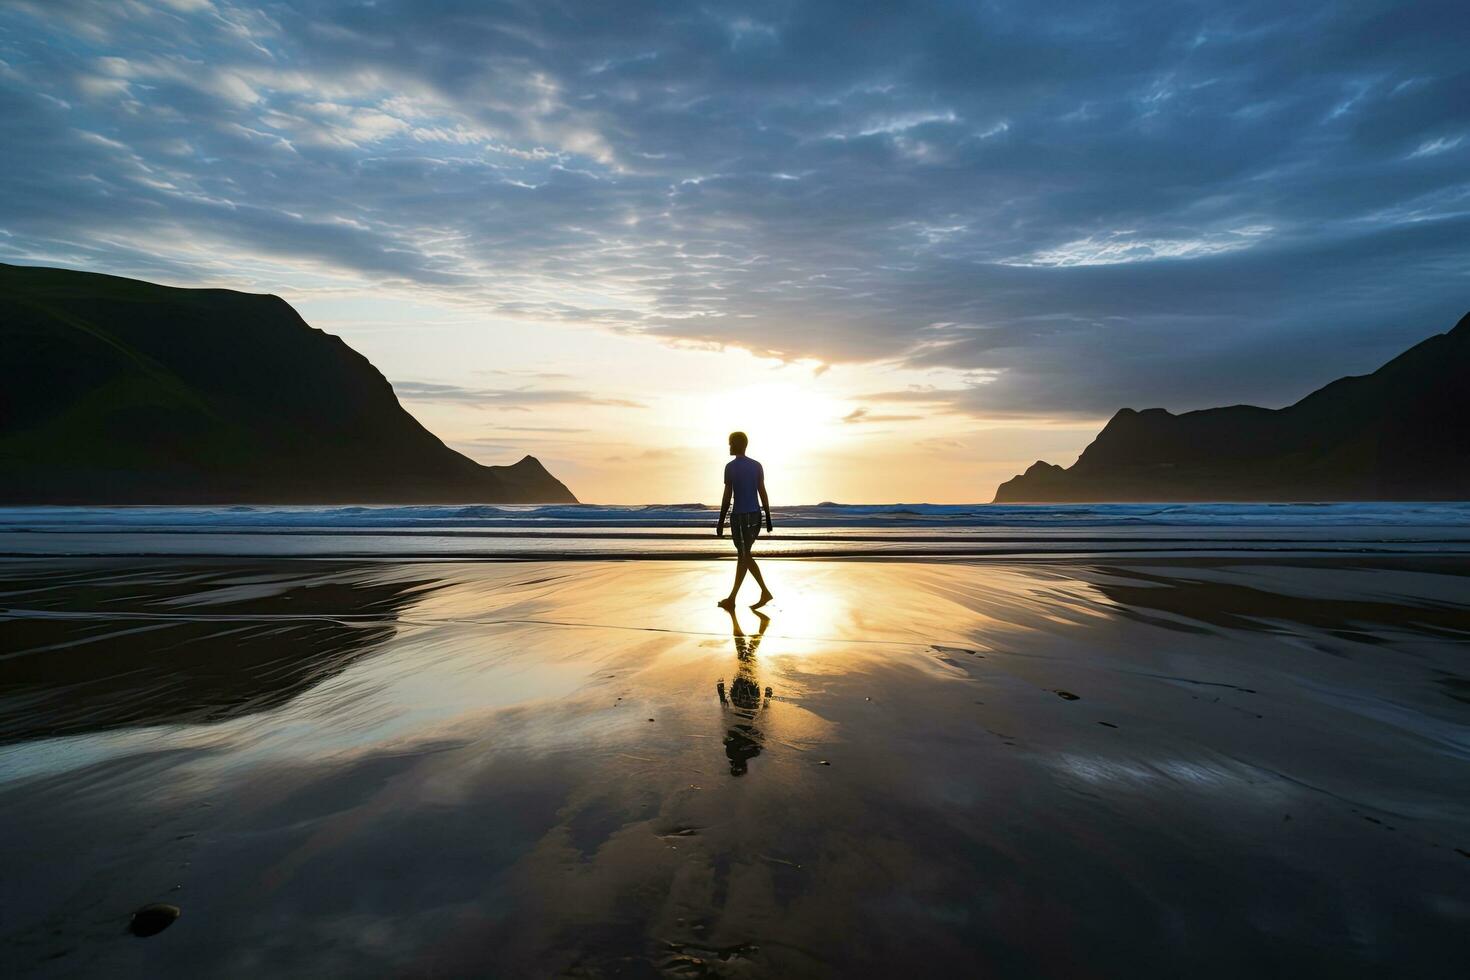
x=1076 y=206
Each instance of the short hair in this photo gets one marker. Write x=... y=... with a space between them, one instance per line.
x=738 y=441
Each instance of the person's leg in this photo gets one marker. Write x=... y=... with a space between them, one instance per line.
x=755 y=571
x=742 y=552
x=740 y=560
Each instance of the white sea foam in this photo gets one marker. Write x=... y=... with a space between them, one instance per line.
x=675 y=516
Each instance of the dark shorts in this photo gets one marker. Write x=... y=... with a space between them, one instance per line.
x=744 y=528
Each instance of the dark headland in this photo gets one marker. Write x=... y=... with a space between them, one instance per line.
x=1400 y=433
x=114 y=390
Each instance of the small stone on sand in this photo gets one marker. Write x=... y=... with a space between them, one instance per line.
x=150 y=920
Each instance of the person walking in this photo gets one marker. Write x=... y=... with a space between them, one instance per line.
x=745 y=486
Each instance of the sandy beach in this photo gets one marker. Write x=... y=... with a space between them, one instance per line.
x=1222 y=767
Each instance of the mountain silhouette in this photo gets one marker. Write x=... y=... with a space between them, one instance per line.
x=1400 y=433
x=114 y=390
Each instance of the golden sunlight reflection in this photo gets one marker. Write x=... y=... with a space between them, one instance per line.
x=815 y=605
x=789 y=425
x=808 y=610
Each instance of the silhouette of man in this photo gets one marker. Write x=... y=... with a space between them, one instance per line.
x=745 y=481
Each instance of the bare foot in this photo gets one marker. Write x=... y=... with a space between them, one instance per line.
x=727 y=604
x=765 y=598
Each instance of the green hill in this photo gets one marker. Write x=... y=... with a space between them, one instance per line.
x=115 y=390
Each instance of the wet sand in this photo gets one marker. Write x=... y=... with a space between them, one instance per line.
x=1113 y=768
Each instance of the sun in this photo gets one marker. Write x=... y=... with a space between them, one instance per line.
x=790 y=427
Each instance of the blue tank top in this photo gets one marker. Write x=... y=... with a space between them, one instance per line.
x=744 y=475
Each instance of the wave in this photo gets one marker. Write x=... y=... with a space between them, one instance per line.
x=689 y=515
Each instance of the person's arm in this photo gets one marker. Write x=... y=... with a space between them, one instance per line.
x=765 y=501
x=724 y=509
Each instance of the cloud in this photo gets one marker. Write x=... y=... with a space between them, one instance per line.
x=507 y=398
x=662 y=455
x=1114 y=248
x=862 y=414
x=1085 y=206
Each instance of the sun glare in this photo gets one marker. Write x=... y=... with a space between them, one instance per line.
x=789 y=426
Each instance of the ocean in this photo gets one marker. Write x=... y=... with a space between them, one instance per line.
x=686 y=530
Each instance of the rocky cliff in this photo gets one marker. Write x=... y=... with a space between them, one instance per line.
x=1400 y=433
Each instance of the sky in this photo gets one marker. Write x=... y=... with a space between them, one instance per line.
x=910 y=248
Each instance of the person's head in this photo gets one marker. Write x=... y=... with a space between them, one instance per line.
x=738 y=442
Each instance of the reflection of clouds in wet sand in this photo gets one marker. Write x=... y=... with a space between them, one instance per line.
x=485 y=793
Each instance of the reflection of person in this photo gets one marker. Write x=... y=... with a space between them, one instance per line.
x=743 y=740
x=745 y=481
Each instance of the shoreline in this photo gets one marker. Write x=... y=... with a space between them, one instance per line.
x=1431 y=550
